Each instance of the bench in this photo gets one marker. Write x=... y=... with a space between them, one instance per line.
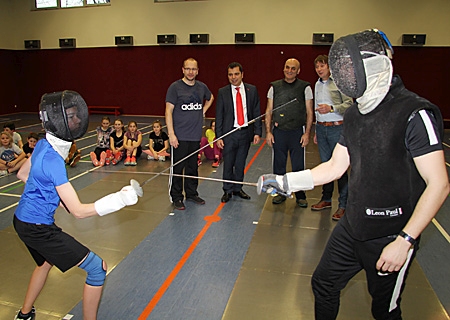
x=115 y=110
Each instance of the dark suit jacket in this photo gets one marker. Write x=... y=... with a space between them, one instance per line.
x=225 y=111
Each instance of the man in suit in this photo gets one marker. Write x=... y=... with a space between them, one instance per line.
x=237 y=105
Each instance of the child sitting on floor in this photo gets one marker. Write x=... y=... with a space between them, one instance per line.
x=116 y=142
x=28 y=147
x=99 y=155
x=212 y=152
x=11 y=156
x=158 y=143
x=132 y=144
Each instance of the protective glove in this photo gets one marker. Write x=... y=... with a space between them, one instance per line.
x=127 y=196
x=285 y=185
x=272 y=184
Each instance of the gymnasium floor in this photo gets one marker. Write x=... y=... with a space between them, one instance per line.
x=239 y=260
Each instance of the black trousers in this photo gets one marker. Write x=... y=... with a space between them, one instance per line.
x=188 y=167
x=342 y=259
x=234 y=155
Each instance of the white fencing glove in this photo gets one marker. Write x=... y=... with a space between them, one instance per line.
x=272 y=184
x=127 y=196
x=285 y=185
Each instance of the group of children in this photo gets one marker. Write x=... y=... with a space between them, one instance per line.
x=13 y=152
x=113 y=145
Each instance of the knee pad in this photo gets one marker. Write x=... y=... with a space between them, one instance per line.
x=93 y=265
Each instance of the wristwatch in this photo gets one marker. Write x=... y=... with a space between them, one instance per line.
x=407 y=237
x=332 y=109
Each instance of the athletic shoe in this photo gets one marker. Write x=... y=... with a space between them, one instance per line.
x=3 y=173
x=302 y=203
x=162 y=158
x=149 y=157
x=196 y=199
x=179 y=205
x=29 y=316
x=278 y=199
x=117 y=157
x=133 y=161
x=199 y=162
x=75 y=160
x=109 y=157
x=127 y=161
x=102 y=161
x=94 y=159
x=216 y=163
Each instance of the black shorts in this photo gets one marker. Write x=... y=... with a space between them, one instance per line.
x=49 y=243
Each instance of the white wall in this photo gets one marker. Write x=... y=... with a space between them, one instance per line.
x=273 y=21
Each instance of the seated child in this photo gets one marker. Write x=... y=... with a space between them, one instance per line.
x=74 y=155
x=158 y=143
x=116 y=142
x=28 y=147
x=98 y=156
x=132 y=144
x=10 y=127
x=11 y=156
x=213 y=152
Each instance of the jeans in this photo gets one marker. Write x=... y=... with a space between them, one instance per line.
x=327 y=138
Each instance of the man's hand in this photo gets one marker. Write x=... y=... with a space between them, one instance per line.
x=220 y=144
x=393 y=256
x=272 y=184
x=269 y=139
x=173 y=140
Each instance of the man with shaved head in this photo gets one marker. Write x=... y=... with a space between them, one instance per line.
x=288 y=128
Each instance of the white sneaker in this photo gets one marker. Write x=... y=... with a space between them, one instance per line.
x=3 y=173
x=149 y=157
x=162 y=158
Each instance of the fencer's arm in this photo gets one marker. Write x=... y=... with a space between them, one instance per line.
x=432 y=168
x=325 y=172
x=24 y=170
x=208 y=104
x=108 y=204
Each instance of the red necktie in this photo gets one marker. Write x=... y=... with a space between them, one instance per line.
x=239 y=108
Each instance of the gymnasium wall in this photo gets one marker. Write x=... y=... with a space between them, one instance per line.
x=136 y=78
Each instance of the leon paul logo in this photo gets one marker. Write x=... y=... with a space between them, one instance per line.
x=383 y=212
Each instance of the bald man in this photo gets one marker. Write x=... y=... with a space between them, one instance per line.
x=288 y=128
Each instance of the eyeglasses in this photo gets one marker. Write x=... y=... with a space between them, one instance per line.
x=190 y=69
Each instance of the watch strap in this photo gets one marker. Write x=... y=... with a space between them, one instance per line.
x=407 y=237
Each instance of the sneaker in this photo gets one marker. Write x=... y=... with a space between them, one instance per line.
x=278 y=199
x=109 y=157
x=75 y=160
x=94 y=159
x=216 y=163
x=29 y=316
x=149 y=157
x=196 y=199
x=162 y=158
x=133 y=161
x=199 y=162
x=127 y=161
x=3 y=173
x=179 y=205
x=302 y=203
x=102 y=161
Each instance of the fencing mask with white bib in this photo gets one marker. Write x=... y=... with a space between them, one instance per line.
x=361 y=67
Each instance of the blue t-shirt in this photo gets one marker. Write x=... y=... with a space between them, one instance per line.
x=40 y=199
x=188 y=108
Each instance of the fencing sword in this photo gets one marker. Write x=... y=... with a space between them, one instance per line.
x=219 y=138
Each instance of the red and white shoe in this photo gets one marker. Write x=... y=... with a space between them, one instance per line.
x=216 y=163
x=117 y=157
x=94 y=159
x=109 y=157
x=102 y=161
x=127 y=161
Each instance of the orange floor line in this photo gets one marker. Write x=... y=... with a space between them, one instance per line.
x=210 y=219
